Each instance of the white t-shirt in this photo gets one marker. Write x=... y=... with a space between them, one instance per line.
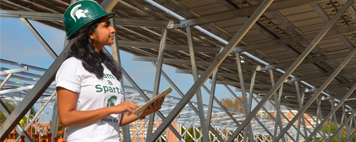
x=93 y=93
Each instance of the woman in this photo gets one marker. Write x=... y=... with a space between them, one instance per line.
x=90 y=97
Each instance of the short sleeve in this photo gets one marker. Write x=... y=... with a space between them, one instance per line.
x=68 y=77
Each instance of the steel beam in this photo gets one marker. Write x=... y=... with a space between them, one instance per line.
x=244 y=96
x=288 y=72
x=34 y=94
x=319 y=116
x=218 y=60
x=11 y=71
x=211 y=98
x=144 y=23
x=187 y=62
x=300 y=101
x=263 y=86
x=39 y=38
x=223 y=74
x=157 y=80
x=55 y=121
x=277 y=99
x=168 y=46
x=198 y=93
x=308 y=61
x=116 y=56
x=298 y=78
x=31 y=15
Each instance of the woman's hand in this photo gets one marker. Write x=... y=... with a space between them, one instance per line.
x=155 y=106
x=125 y=106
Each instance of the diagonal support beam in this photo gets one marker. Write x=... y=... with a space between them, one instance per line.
x=34 y=94
x=218 y=60
x=39 y=38
x=288 y=73
x=317 y=128
x=157 y=80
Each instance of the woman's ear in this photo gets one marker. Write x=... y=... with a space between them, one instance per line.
x=91 y=36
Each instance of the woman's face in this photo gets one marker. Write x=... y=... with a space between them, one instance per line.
x=103 y=34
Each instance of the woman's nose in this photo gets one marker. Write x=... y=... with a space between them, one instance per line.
x=112 y=29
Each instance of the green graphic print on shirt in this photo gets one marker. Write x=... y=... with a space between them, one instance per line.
x=111 y=101
x=112 y=88
x=109 y=89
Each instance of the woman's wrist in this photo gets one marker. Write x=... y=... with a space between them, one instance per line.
x=112 y=110
x=140 y=117
x=142 y=114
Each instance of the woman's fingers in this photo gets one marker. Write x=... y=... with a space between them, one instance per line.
x=130 y=107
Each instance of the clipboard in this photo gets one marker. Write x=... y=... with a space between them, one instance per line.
x=142 y=108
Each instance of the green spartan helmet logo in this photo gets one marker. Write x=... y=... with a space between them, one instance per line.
x=111 y=101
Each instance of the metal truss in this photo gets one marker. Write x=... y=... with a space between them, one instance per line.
x=261 y=126
x=208 y=122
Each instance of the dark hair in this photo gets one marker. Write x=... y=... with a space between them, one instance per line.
x=84 y=50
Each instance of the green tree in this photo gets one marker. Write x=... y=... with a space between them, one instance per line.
x=11 y=107
x=344 y=134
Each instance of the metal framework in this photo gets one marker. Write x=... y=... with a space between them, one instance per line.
x=186 y=120
x=296 y=54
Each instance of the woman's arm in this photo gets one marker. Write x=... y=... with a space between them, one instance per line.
x=155 y=106
x=70 y=117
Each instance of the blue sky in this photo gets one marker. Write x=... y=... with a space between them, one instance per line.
x=18 y=44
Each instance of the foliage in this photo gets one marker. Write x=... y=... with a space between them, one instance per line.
x=11 y=107
x=188 y=138
x=233 y=104
x=344 y=133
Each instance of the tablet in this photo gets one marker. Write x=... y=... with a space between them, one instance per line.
x=142 y=108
